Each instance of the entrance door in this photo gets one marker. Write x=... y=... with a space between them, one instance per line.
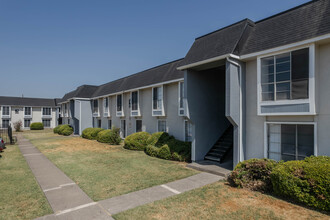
x=122 y=128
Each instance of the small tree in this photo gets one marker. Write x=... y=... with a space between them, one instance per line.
x=18 y=126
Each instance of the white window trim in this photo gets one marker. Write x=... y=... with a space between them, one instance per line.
x=288 y=123
x=311 y=91
x=166 y=129
x=179 y=108
x=138 y=104
x=120 y=113
x=6 y=116
x=106 y=111
x=152 y=101
x=97 y=114
x=46 y=116
x=27 y=116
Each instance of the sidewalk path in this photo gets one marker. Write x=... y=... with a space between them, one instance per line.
x=68 y=201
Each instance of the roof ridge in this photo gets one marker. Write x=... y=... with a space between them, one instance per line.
x=288 y=10
x=241 y=36
x=25 y=97
x=228 y=26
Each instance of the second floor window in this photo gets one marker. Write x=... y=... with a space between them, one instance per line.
x=106 y=105
x=181 y=92
x=27 y=111
x=135 y=101
x=119 y=103
x=157 y=99
x=46 y=111
x=95 y=106
x=285 y=76
x=5 y=110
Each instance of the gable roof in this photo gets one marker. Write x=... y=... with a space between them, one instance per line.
x=217 y=43
x=303 y=22
x=31 y=102
x=84 y=91
x=163 y=73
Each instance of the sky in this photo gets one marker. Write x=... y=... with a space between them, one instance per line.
x=50 y=47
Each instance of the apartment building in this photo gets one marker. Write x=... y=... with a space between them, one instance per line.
x=28 y=110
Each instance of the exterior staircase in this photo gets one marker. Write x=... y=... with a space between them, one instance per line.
x=221 y=147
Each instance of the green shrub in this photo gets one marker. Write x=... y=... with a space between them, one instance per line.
x=253 y=174
x=177 y=157
x=151 y=151
x=65 y=130
x=110 y=136
x=164 y=152
x=305 y=181
x=181 y=148
x=56 y=129
x=158 y=139
x=137 y=141
x=36 y=126
x=91 y=133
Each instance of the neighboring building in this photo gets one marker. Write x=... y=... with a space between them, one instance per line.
x=28 y=110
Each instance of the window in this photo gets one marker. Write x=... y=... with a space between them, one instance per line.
x=138 y=125
x=162 y=126
x=27 y=111
x=99 y=123
x=135 y=100
x=106 y=107
x=46 y=123
x=68 y=121
x=109 y=124
x=16 y=111
x=46 y=111
x=157 y=98
x=27 y=123
x=187 y=131
x=181 y=101
x=285 y=76
x=290 y=141
x=66 y=109
x=5 y=123
x=95 y=107
x=122 y=128
x=5 y=110
x=119 y=103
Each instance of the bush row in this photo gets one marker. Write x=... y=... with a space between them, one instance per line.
x=304 y=181
x=159 y=144
x=65 y=130
x=110 y=136
x=37 y=126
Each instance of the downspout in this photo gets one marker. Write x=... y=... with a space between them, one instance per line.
x=240 y=153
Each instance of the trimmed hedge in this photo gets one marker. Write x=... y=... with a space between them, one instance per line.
x=306 y=181
x=151 y=151
x=137 y=141
x=91 y=133
x=158 y=139
x=65 y=130
x=37 y=126
x=110 y=136
x=164 y=152
x=253 y=174
x=56 y=129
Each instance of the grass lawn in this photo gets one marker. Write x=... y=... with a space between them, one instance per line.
x=105 y=171
x=20 y=194
x=219 y=201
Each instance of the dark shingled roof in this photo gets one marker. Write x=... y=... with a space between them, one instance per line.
x=217 y=43
x=300 y=23
x=84 y=91
x=19 y=101
x=158 y=74
x=297 y=24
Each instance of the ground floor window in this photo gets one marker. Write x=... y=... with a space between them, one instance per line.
x=161 y=126
x=99 y=124
x=187 y=131
x=27 y=123
x=46 y=123
x=5 y=123
x=122 y=128
x=138 y=125
x=68 y=121
x=109 y=124
x=290 y=141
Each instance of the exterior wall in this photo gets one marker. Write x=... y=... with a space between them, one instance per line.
x=174 y=122
x=36 y=116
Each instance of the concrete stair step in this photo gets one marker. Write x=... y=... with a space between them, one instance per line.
x=217 y=159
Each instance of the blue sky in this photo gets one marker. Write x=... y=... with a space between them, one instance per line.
x=48 y=47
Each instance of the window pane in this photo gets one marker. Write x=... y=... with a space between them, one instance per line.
x=267 y=78
x=134 y=100
x=181 y=95
x=109 y=124
x=119 y=103
x=305 y=140
x=300 y=73
x=288 y=142
x=283 y=76
x=274 y=142
x=161 y=126
x=138 y=125
x=283 y=87
x=283 y=95
x=267 y=88
x=267 y=96
x=300 y=89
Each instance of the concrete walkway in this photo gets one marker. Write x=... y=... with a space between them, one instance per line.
x=68 y=201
